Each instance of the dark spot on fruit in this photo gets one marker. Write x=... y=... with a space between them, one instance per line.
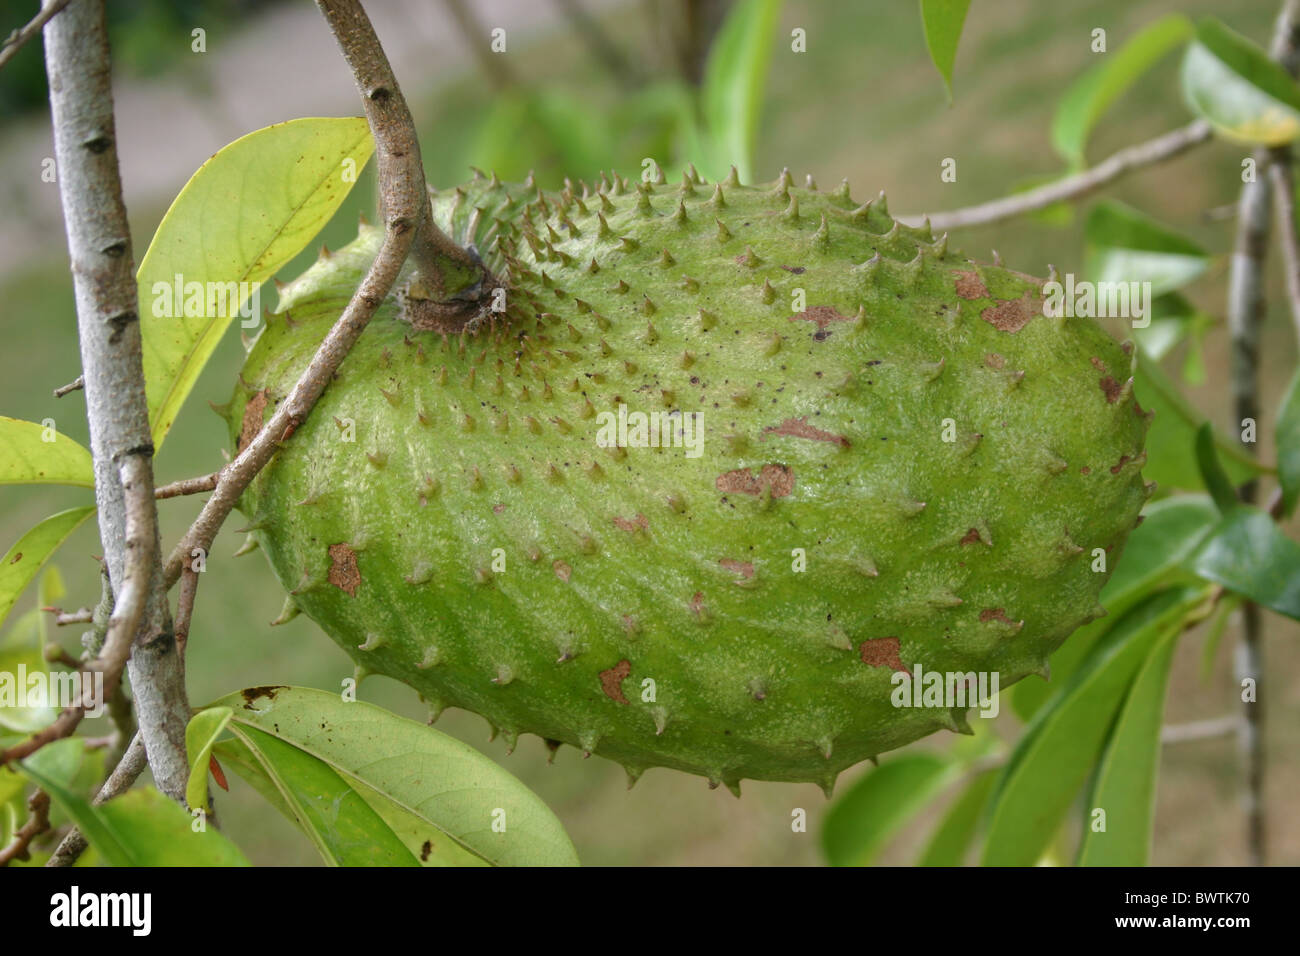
x=969 y=285
x=1097 y=363
x=1012 y=315
x=994 y=614
x=882 y=652
x=970 y=537
x=344 y=573
x=1123 y=460
x=497 y=509
x=797 y=270
x=778 y=478
x=562 y=570
x=1111 y=389
x=425 y=851
x=799 y=428
x=611 y=681
x=1085 y=470
x=994 y=360
x=16 y=558
x=632 y=525
x=823 y=315
x=697 y=604
x=252 y=422
x=744 y=568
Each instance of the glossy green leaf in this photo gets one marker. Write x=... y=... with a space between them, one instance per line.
x=1212 y=473
x=1057 y=751
x=452 y=787
x=248 y=210
x=1247 y=553
x=735 y=76
x=336 y=818
x=1125 y=783
x=952 y=839
x=1287 y=435
x=140 y=828
x=1125 y=245
x=23 y=561
x=1231 y=82
x=26 y=458
x=860 y=822
x=942 y=21
x=1171 y=439
x=200 y=734
x=1170 y=531
x=1093 y=93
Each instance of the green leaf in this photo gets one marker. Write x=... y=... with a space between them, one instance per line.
x=1232 y=83
x=1125 y=245
x=22 y=657
x=447 y=784
x=200 y=734
x=1093 y=93
x=23 y=561
x=732 y=94
x=1153 y=556
x=1287 y=435
x=1247 y=553
x=1171 y=439
x=1125 y=784
x=860 y=822
x=329 y=809
x=942 y=21
x=1212 y=473
x=140 y=828
x=27 y=459
x=1057 y=751
x=956 y=832
x=248 y=210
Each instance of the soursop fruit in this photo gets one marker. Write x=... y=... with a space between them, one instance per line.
x=730 y=458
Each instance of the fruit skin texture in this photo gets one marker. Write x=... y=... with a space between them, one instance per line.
x=944 y=457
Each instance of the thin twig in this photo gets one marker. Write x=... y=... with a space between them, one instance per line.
x=73 y=386
x=1280 y=173
x=187 y=486
x=139 y=635
x=63 y=618
x=14 y=42
x=36 y=824
x=403 y=199
x=1073 y=187
x=185 y=606
x=126 y=772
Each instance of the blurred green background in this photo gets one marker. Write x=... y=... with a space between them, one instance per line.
x=864 y=102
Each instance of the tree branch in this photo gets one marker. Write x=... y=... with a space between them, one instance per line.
x=126 y=772
x=14 y=42
x=188 y=486
x=36 y=824
x=103 y=269
x=404 y=203
x=1073 y=187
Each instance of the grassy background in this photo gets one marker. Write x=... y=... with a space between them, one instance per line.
x=863 y=103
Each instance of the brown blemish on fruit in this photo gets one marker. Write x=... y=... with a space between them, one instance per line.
x=562 y=570
x=969 y=285
x=252 y=422
x=744 y=568
x=1097 y=363
x=778 y=478
x=823 y=315
x=697 y=604
x=994 y=360
x=1111 y=389
x=344 y=573
x=994 y=614
x=799 y=428
x=1085 y=470
x=882 y=652
x=1012 y=315
x=1123 y=460
x=632 y=525
x=611 y=681
x=16 y=558
x=971 y=537
x=497 y=509
x=426 y=850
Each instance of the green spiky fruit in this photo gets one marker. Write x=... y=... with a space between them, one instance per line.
x=903 y=463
